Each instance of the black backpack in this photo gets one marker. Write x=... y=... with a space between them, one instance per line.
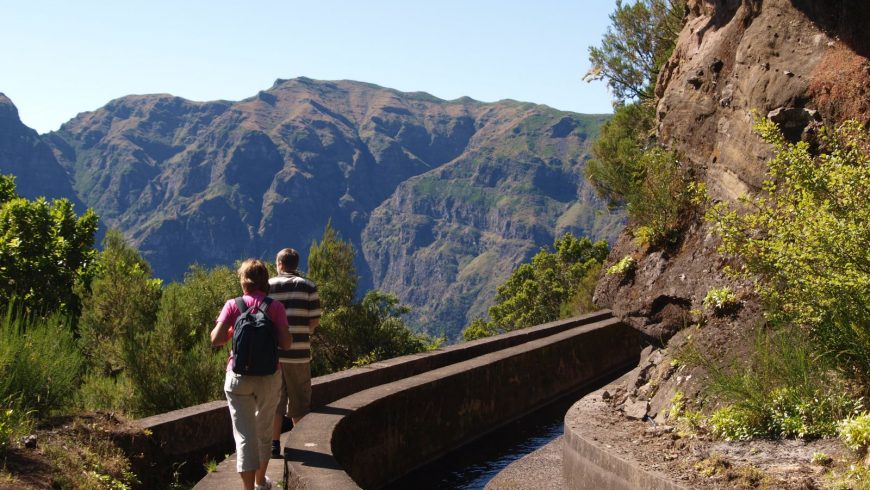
x=255 y=348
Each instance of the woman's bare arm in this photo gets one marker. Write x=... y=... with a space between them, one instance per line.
x=219 y=334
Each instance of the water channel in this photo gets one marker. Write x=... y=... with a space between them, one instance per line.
x=472 y=466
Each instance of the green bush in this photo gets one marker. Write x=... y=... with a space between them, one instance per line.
x=720 y=299
x=44 y=251
x=554 y=285
x=661 y=199
x=110 y=393
x=172 y=365
x=354 y=333
x=783 y=391
x=629 y=170
x=615 y=169
x=624 y=266
x=855 y=431
x=804 y=242
x=733 y=423
x=122 y=302
x=40 y=361
x=15 y=422
x=365 y=332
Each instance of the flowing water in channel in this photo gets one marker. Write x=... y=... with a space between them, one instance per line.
x=474 y=465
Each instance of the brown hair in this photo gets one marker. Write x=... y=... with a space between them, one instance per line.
x=253 y=276
x=289 y=259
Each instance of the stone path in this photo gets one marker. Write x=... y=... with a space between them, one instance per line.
x=540 y=470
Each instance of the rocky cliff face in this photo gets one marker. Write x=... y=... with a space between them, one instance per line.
x=442 y=198
x=24 y=155
x=798 y=62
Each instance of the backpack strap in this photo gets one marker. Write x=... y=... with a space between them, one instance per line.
x=264 y=305
x=240 y=303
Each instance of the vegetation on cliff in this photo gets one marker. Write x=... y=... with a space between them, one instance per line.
x=803 y=244
x=774 y=330
x=553 y=285
x=628 y=167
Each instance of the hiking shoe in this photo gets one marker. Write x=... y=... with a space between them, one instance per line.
x=264 y=486
x=276 y=450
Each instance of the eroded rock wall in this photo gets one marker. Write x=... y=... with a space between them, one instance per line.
x=799 y=62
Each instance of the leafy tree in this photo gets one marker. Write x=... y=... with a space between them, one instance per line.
x=45 y=250
x=615 y=169
x=354 y=333
x=628 y=168
x=639 y=40
x=365 y=332
x=330 y=265
x=122 y=302
x=548 y=288
x=804 y=241
x=172 y=365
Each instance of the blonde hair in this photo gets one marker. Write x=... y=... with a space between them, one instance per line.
x=254 y=276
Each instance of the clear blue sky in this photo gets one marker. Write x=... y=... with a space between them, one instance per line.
x=62 y=57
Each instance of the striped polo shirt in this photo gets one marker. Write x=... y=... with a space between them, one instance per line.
x=301 y=304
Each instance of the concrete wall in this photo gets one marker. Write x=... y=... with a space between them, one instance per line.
x=591 y=465
x=192 y=434
x=374 y=436
x=186 y=438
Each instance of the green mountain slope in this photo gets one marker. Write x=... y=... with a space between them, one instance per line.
x=442 y=198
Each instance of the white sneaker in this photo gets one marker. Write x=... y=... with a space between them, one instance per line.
x=265 y=486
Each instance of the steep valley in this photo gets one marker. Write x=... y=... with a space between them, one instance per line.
x=440 y=198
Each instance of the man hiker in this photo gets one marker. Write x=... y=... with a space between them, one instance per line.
x=302 y=307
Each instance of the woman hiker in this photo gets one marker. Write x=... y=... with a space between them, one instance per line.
x=252 y=382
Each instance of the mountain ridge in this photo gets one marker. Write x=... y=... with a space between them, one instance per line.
x=211 y=182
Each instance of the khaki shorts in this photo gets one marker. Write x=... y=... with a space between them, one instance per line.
x=251 y=400
x=295 y=399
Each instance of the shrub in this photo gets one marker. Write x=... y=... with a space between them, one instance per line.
x=804 y=242
x=855 y=477
x=112 y=393
x=355 y=333
x=624 y=266
x=14 y=422
x=732 y=423
x=44 y=251
x=171 y=365
x=720 y=299
x=122 y=302
x=6 y=428
x=365 y=332
x=649 y=181
x=478 y=329
x=615 y=169
x=661 y=199
x=553 y=285
x=821 y=459
x=782 y=391
x=687 y=422
x=643 y=235
x=40 y=362
x=855 y=431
